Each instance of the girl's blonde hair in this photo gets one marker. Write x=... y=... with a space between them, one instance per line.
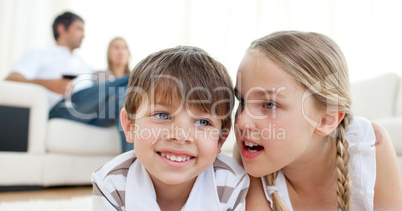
x=317 y=62
x=109 y=60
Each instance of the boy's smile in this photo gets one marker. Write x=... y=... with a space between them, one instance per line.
x=176 y=158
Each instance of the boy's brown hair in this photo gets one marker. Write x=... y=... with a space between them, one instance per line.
x=188 y=74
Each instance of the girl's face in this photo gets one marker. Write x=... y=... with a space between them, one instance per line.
x=118 y=52
x=272 y=122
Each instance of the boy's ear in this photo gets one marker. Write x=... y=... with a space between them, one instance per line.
x=126 y=124
x=329 y=122
x=222 y=140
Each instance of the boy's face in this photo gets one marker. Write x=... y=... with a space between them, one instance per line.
x=174 y=143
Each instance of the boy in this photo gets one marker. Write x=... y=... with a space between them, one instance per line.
x=178 y=114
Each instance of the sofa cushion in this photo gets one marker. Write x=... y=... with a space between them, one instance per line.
x=69 y=137
x=393 y=126
x=375 y=98
x=62 y=169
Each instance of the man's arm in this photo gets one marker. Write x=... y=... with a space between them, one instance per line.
x=59 y=86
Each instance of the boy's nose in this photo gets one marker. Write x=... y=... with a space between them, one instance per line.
x=179 y=140
x=181 y=133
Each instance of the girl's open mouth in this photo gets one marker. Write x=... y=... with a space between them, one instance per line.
x=253 y=148
x=250 y=149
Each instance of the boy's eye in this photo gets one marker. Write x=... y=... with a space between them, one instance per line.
x=162 y=116
x=203 y=122
x=270 y=105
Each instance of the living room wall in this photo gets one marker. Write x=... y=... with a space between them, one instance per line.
x=367 y=30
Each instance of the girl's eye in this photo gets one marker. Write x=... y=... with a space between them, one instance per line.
x=204 y=122
x=270 y=105
x=162 y=116
x=241 y=101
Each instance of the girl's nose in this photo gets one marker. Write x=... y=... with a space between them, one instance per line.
x=244 y=120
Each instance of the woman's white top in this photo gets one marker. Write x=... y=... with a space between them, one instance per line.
x=362 y=168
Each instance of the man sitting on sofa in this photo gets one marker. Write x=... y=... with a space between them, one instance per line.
x=55 y=67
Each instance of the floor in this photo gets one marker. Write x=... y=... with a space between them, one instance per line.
x=46 y=193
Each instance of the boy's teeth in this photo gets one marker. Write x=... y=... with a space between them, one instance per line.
x=249 y=144
x=174 y=158
x=252 y=151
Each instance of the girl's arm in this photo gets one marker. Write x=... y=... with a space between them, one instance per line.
x=388 y=185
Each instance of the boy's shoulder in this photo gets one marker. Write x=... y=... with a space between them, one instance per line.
x=109 y=182
x=231 y=181
x=118 y=166
x=228 y=171
x=228 y=164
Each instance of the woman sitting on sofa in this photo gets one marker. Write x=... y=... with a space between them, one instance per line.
x=118 y=56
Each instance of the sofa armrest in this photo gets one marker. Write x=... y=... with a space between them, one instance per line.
x=384 y=88
x=34 y=97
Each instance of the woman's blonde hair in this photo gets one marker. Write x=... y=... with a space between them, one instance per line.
x=317 y=62
x=109 y=60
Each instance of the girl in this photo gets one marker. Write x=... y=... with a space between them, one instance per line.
x=297 y=135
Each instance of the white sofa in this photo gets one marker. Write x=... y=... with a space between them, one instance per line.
x=59 y=152
x=380 y=100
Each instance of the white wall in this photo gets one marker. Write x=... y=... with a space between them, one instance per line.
x=368 y=31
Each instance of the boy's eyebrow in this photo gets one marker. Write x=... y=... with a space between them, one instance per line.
x=162 y=103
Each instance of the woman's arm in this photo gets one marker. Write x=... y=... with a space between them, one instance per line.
x=388 y=185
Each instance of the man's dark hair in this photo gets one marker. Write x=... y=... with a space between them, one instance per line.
x=66 y=19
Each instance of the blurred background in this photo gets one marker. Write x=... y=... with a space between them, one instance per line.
x=368 y=31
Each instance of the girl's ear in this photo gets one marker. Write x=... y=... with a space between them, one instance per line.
x=329 y=123
x=126 y=124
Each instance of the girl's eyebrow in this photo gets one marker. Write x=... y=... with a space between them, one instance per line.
x=264 y=93
x=269 y=93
